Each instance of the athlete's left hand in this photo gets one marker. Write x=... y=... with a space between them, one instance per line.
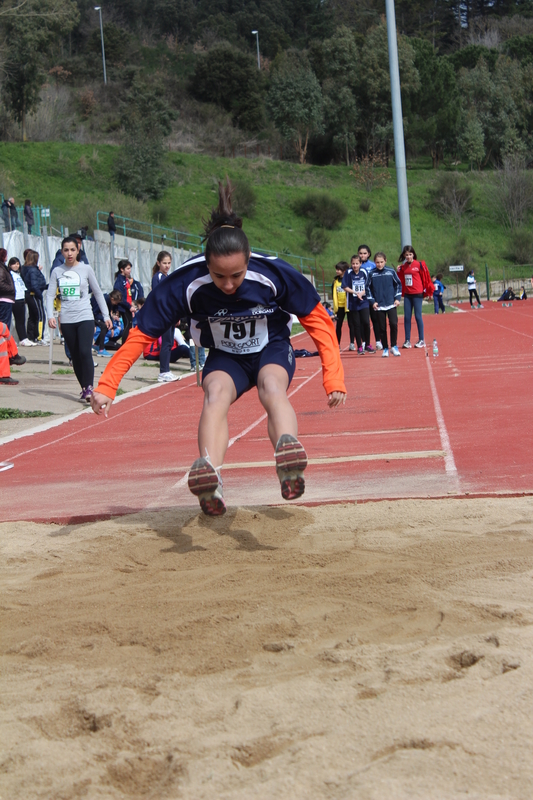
x=109 y=324
x=336 y=399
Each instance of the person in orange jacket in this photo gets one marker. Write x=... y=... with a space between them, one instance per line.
x=240 y=306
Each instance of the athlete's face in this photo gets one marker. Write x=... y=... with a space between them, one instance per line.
x=127 y=271
x=228 y=272
x=409 y=258
x=164 y=265
x=70 y=252
x=364 y=255
x=380 y=262
x=356 y=265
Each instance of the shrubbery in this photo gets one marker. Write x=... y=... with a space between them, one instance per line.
x=322 y=209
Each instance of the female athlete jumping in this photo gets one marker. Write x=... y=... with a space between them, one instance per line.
x=240 y=307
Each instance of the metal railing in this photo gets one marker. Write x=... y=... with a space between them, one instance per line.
x=171 y=237
x=150 y=232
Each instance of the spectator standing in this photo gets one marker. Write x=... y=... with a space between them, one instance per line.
x=159 y=273
x=354 y=282
x=75 y=280
x=19 y=308
x=364 y=253
x=130 y=290
x=28 y=215
x=5 y=214
x=384 y=291
x=438 y=293
x=339 y=302
x=111 y=225
x=35 y=286
x=7 y=290
x=472 y=289
x=416 y=284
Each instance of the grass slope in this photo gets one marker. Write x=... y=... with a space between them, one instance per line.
x=76 y=180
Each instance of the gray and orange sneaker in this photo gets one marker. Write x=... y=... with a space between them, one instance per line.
x=205 y=482
x=291 y=460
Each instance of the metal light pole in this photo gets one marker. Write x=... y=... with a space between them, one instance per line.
x=397 y=122
x=256 y=34
x=99 y=9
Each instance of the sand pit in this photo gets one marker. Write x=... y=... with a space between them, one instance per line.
x=382 y=650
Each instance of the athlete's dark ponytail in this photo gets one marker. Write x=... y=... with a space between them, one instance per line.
x=223 y=230
x=160 y=256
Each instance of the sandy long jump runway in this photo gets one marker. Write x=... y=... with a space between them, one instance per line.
x=382 y=650
x=367 y=650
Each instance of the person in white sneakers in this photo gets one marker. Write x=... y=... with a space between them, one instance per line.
x=416 y=284
x=159 y=273
x=384 y=292
x=19 y=307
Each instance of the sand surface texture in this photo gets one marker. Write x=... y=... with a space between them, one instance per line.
x=381 y=650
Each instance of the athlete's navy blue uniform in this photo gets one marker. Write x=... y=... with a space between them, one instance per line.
x=243 y=331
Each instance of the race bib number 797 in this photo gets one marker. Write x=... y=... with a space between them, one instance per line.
x=239 y=335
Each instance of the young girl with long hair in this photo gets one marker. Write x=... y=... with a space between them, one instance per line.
x=240 y=307
x=416 y=284
x=75 y=281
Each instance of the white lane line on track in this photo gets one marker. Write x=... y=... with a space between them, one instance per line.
x=449 y=461
x=505 y=327
x=257 y=422
x=328 y=435
x=100 y=421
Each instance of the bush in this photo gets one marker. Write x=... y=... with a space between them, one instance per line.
x=451 y=197
x=323 y=210
x=316 y=239
x=513 y=193
x=522 y=246
x=461 y=255
x=244 y=199
x=365 y=206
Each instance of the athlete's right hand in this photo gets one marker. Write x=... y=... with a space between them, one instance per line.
x=100 y=403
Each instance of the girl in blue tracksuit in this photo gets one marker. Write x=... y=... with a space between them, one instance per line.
x=354 y=284
x=438 y=293
x=384 y=292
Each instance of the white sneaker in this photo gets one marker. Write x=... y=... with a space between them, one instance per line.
x=385 y=353
x=352 y=346
x=379 y=346
x=395 y=352
x=26 y=343
x=167 y=377
x=420 y=344
x=406 y=345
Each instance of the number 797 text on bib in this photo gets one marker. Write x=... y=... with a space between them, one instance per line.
x=239 y=335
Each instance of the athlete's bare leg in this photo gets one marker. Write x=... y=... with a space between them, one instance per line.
x=291 y=459
x=272 y=385
x=213 y=433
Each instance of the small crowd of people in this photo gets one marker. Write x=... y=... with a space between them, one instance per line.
x=91 y=322
x=367 y=291
x=10 y=216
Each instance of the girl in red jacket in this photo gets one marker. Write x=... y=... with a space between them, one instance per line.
x=416 y=284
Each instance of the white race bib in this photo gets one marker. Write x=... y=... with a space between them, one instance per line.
x=70 y=285
x=239 y=335
x=408 y=280
x=358 y=284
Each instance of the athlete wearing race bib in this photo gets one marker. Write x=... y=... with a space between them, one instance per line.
x=416 y=284
x=240 y=306
x=75 y=281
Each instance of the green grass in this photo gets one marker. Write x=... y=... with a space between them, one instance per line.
x=120 y=391
x=73 y=179
x=63 y=371
x=14 y=413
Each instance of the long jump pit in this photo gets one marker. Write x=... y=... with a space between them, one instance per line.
x=369 y=647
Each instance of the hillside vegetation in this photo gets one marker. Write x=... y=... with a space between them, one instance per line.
x=74 y=180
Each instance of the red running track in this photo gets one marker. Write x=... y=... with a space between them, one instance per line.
x=411 y=427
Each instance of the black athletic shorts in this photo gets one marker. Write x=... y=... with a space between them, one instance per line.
x=244 y=369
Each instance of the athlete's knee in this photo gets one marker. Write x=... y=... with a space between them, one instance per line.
x=217 y=392
x=272 y=388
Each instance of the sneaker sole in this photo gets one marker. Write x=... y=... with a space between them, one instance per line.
x=204 y=484
x=291 y=460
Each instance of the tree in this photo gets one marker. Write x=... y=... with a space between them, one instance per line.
x=451 y=197
x=29 y=34
x=433 y=111
x=472 y=140
x=230 y=79
x=295 y=101
x=146 y=119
